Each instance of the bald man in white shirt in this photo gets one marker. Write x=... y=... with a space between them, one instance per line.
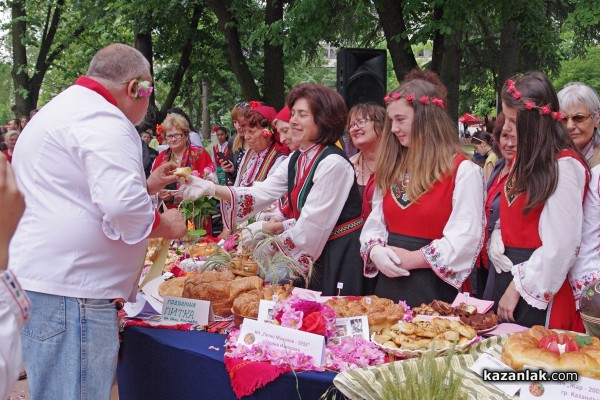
x=80 y=245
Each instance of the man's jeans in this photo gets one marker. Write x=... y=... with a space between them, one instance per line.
x=70 y=347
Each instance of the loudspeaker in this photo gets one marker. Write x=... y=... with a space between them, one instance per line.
x=361 y=75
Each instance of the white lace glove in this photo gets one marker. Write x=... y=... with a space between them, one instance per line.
x=387 y=262
x=496 y=253
x=249 y=233
x=195 y=188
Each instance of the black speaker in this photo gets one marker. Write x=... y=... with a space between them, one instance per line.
x=361 y=75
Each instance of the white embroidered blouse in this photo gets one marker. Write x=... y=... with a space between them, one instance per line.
x=462 y=237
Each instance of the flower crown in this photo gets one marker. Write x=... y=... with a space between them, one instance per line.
x=530 y=105
x=254 y=104
x=411 y=98
x=215 y=128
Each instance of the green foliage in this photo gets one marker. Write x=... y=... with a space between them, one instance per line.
x=583 y=70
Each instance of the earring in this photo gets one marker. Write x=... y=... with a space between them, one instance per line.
x=266 y=133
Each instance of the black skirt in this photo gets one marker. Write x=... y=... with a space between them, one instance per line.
x=340 y=261
x=524 y=314
x=421 y=286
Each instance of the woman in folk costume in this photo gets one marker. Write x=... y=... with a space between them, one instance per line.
x=264 y=150
x=426 y=226
x=541 y=210
x=321 y=186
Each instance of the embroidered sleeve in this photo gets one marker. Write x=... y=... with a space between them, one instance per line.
x=308 y=236
x=538 y=279
x=374 y=232
x=453 y=256
x=587 y=266
x=248 y=201
x=13 y=297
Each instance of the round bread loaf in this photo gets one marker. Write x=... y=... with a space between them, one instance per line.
x=523 y=349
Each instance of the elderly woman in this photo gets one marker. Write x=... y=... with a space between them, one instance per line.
x=365 y=125
x=176 y=131
x=580 y=107
x=11 y=140
x=321 y=187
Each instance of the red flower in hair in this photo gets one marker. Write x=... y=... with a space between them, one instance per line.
x=545 y=110
x=386 y=98
x=438 y=102
x=159 y=129
x=254 y=104
x=517 y=95
x=530 y=105
x=424 y=99
x=215 y=128
x=510 y=89
x=410 y=97
x=510 y=82
x=557 y=116
x=396 y=96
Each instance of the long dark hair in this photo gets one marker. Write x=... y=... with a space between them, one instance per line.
x=539 y=137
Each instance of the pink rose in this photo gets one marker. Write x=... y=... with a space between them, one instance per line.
x=307 y=306
x=410 y=97
x=396 y=96
x=424 y=99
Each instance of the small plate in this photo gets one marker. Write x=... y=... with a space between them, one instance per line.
x=418 y=353
x=487 y=330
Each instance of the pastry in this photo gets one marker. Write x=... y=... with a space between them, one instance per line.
x=172 y=287
x=382 y=313
x=480 y=321
x=183 y=172
x=548 y=349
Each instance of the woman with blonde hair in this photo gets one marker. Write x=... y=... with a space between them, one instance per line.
x=177 y=134
x=11 y=140
x=426 y=226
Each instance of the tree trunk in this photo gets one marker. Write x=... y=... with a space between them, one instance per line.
x=205 y=117
x=21 y=81
x=509 y=54
x=274 y=86
x=438 y=43
x=392 y=22
x=235 y=54
x=143 y=42
x=184 y=62
x=450 y=71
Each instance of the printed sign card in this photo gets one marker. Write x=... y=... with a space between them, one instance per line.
x=178 y=310
x=350 y=327
x=584 y=388
x=489 y=363
x=287 y=339
x=306 y=294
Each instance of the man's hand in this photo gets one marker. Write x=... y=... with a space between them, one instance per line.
x=12 y=206
x=161 y=177
x=172 y=225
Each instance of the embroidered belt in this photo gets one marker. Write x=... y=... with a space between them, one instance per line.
x=346 y=228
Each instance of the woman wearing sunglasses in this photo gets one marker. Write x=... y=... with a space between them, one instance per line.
x=580 y=107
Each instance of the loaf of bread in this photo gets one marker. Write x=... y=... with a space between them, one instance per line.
x=523 y=348
x=246 y=304
x=382 y=313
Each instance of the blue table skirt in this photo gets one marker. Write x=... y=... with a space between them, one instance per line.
x=169 y=364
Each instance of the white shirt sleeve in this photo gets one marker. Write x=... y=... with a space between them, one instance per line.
x=306 y=239
x=248 y=201
x=14 y=311
x=374 y=233
x=539 y=278
x=586 y=269
x=116 y=186
x=453 y=256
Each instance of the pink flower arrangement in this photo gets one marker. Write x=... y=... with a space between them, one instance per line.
x=307 y=316
x=353 y=353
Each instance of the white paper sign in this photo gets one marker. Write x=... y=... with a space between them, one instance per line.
x=584 y=388
x=186 y=311
x=350 y=327
x=287 y=339
x=265 y=311
x=306 y=294
x=488 y=362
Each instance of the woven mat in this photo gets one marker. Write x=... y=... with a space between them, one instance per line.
x=366 y=383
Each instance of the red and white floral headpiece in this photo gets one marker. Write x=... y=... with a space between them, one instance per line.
x=410 y=97
x=530 y=105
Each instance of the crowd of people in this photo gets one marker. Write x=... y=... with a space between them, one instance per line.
x=408 y=217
